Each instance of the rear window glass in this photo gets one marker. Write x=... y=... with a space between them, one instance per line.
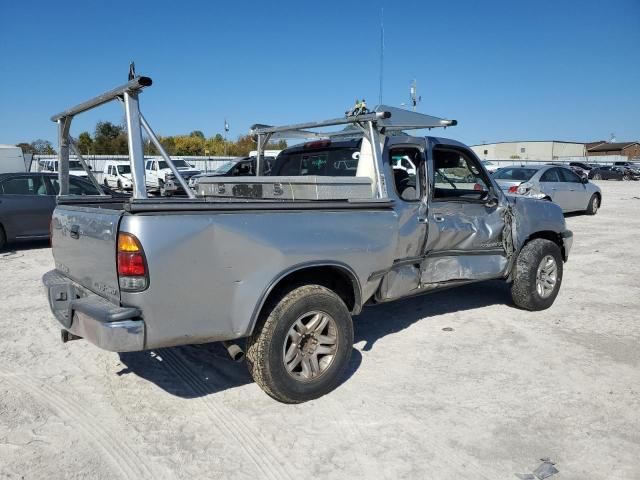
x=335 y=162
x=521 y=174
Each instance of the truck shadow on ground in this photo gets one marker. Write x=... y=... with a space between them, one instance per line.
x=195 y=371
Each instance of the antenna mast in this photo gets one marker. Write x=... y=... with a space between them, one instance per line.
x=381 y=54
x=415 y=98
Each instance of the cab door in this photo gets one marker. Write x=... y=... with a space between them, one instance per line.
x=466 y=220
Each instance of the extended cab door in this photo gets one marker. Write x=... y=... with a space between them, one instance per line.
x=465 y=220
x=408 y=191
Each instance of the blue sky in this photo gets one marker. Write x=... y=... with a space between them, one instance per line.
x=506 y=70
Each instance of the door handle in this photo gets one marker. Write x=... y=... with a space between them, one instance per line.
x=74 y=231
x=438 y=218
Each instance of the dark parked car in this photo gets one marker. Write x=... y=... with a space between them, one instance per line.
x=606 y=172
x=631 y=169
x=243 y=167
x=27 y=201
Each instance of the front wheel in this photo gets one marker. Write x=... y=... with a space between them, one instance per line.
x=301 y=349
x=594 y=204
x=597 y=176
x=538 y=275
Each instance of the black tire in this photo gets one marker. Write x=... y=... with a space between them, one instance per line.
x=266 y=345
x=161 y=187
x=105 y=183
x=594 y=204
x=626 y=177
x=524 y=288
x=120 y=185
x=597 y=176
x=3 y=238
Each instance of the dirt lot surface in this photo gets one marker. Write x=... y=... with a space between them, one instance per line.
x=488 y=399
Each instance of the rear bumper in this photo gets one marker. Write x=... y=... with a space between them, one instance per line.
x=87 y=315
x=567 y=240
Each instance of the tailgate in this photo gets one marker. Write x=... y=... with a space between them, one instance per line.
x=83 y=241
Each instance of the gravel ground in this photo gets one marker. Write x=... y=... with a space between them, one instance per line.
x=488 y=399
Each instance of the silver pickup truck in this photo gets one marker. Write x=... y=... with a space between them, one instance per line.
x=284 y=261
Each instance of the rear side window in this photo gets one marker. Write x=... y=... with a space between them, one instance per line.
x=336 y=162
x=569 y=176
x=76 y=187
x=550 y=175
x=23 y=186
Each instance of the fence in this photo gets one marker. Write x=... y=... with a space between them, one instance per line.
x=205 y=164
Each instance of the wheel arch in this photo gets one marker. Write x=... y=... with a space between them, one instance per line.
x=336 y=276
x=555 y=237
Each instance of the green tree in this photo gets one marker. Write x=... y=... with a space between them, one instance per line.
x=197 y=133
x=85 y=143
x=110 y=139
x=26 y=147
x=42 y=147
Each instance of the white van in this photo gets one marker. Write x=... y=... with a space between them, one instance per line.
x=75 y=167
x=117 y=174
x=11 y=159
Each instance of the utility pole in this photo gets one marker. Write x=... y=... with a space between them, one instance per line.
x=381 y=55
x=226 y=130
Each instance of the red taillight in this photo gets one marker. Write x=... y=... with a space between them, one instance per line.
x=132 y=267
x=513 y=189
x=131 y=264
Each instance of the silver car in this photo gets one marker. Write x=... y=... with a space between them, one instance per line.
x=551 y=182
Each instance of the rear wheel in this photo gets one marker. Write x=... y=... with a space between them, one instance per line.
x=597 y=176
x=303 y=345
x=594 y=204
x=538 y=275
x=626 y=176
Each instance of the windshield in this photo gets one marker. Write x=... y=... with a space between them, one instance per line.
x=178 y=163
x=519 y=174
x=124 y=169
x=75 y=165
x=225 y=167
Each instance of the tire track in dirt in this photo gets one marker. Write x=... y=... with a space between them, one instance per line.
x=260 y=453
x=115 y=449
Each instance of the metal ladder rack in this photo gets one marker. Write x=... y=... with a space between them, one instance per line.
x=372 y=125
x=128 y=95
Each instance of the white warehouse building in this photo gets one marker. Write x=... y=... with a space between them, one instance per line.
x=546 y=150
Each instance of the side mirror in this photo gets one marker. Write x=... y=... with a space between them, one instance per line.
x=90 y=167
x=491 y=202
x=585 y=180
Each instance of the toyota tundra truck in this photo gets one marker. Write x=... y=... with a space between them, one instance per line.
x=276 y=266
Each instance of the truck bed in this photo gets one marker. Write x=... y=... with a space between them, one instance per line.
x=211 y=262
